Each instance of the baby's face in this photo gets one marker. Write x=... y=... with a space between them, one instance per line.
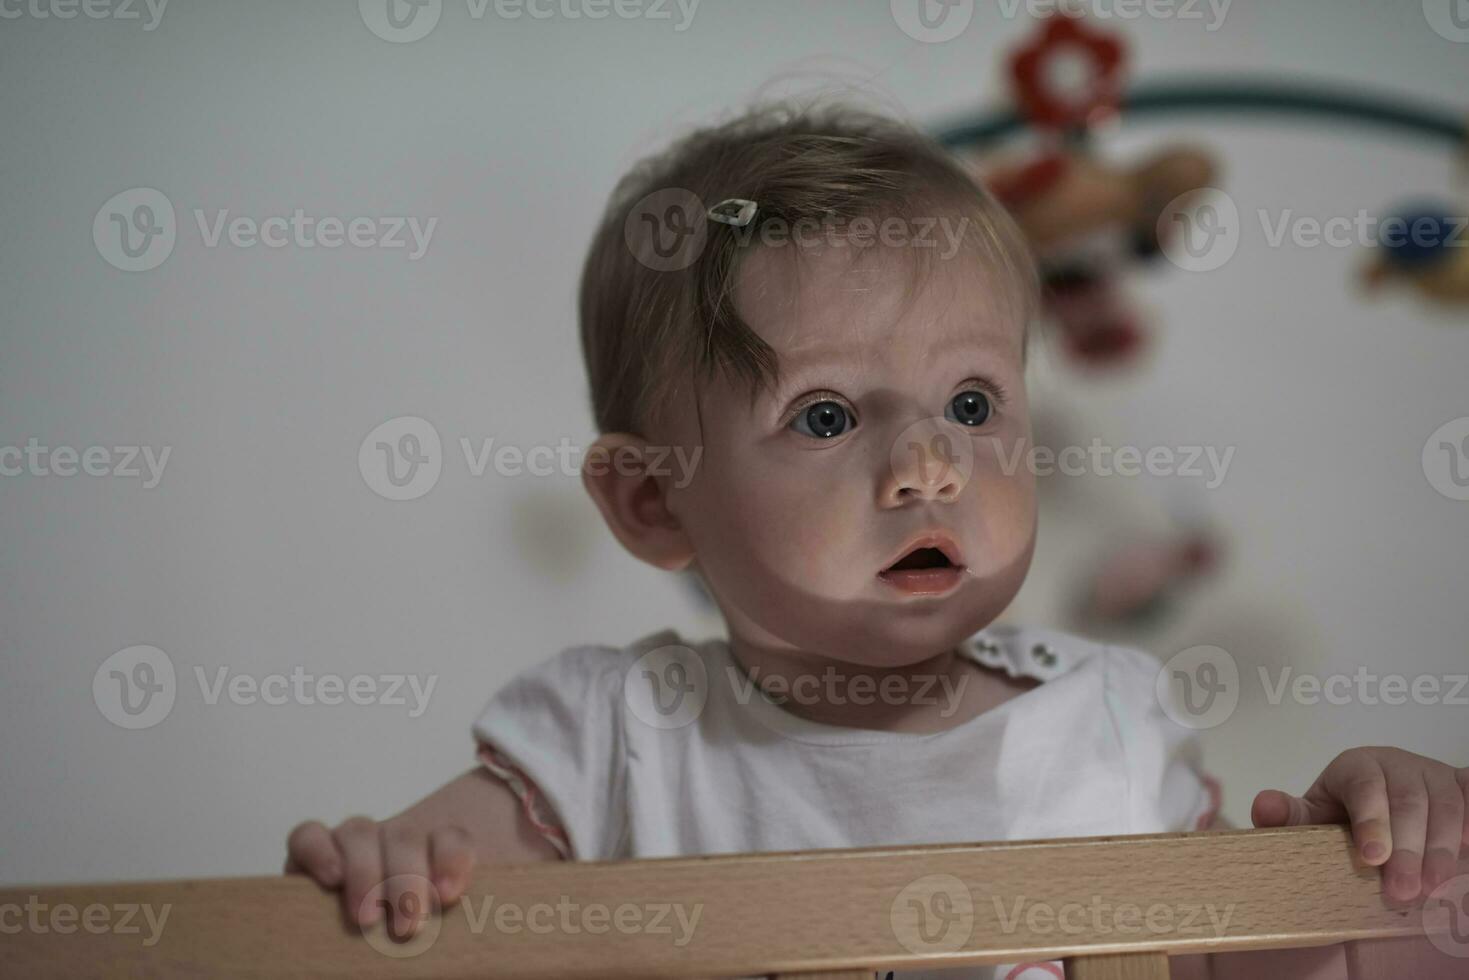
x=898 y=423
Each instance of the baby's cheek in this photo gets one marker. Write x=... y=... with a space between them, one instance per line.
x=808 y=526
x=1002 y=468
x=797 y=525
x=1002 y=508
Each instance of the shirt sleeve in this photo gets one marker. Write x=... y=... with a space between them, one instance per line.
x=561 y=725
x=1169 y=787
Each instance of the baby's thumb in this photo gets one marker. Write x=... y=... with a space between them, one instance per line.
x=1277 y=808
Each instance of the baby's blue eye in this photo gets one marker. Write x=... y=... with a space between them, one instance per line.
x=822 y=420
x=970 y=408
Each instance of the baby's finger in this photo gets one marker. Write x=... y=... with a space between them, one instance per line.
x=1461 y=776
x=1361 y=786
x=453 y=859
x=311 y=851
x=362 y=854
x=1445 y=827
x=409 y=895
x=1408 y=794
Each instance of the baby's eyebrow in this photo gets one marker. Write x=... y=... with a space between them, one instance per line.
x=985 y=341
x=803 y=360
x=806 y=357
x=980 y=341
x=794 y=368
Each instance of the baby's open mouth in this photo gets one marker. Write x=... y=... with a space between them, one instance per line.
x=928 y=567
x=921 y=558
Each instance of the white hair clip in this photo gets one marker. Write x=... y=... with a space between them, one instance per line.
x=734 y=211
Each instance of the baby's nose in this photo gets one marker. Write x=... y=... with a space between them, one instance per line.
x=926 y=463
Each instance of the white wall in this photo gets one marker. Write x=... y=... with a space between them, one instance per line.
x=262 y=549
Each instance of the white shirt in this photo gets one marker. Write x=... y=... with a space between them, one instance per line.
x=665 y=748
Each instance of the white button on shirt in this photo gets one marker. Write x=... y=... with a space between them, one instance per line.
x=665 y=748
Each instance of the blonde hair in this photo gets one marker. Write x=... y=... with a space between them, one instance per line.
x=650 y=320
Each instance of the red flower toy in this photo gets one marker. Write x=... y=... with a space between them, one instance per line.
x=1047 y=85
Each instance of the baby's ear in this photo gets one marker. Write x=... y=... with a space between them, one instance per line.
x=633 y=501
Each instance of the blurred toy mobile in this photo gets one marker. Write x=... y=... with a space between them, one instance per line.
x=1424 y=246
x=1091 y=221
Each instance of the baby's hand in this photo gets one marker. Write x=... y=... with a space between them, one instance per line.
x=389 y=864
x=1408 y=813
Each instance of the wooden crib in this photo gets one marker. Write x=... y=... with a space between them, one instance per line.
x=1111 y=907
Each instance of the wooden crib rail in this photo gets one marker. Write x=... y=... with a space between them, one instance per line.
x=1112 y=906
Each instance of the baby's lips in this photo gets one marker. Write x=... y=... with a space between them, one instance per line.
x=938 y=540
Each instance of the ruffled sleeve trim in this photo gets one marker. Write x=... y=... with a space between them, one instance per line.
x=537 y=811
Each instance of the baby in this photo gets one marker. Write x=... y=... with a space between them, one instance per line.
x=824 y=314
